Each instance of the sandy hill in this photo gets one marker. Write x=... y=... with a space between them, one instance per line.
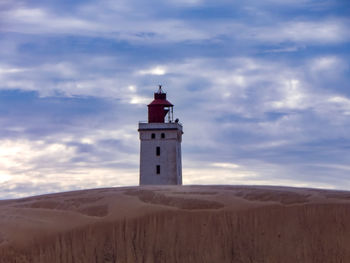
x=178 y=224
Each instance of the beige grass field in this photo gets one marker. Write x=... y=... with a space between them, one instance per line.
x=178 y=224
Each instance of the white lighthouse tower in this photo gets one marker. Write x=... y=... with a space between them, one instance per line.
x=161 y=136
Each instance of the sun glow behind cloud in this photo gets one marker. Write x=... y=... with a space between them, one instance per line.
x=158 y=70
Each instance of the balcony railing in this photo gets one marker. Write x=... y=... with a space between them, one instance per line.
x=173 y=122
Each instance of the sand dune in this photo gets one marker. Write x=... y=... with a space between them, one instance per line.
x=178 y=224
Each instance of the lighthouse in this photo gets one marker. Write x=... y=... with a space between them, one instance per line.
x=160 y=138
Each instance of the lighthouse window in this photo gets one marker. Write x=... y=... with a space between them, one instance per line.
x=162 y=135
x=153 y=136
x=158 y=169
x=158 y=151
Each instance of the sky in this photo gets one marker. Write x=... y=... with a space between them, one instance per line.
x=262 y=89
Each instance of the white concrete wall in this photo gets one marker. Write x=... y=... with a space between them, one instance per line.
x=170 y=153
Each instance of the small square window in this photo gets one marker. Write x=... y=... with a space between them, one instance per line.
x=153 y=136
x=162 y=135
x=158 y=169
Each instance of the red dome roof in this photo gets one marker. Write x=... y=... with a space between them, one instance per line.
x=161 y=102
x=158 y=108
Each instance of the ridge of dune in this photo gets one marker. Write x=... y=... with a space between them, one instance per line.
x=178 y=224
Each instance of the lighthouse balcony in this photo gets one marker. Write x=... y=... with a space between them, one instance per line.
x=160 y=126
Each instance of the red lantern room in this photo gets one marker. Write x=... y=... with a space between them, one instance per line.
x=159 y=108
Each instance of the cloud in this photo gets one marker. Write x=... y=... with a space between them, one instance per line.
x=158 y=70
x=327 y=31
x=225 y=165
x=232 y=115
x=263 y=95
x=67 y=160
x=283 y=49
x=341 y=103
x=42 y=21
x=124 y=21
x=39 y=20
